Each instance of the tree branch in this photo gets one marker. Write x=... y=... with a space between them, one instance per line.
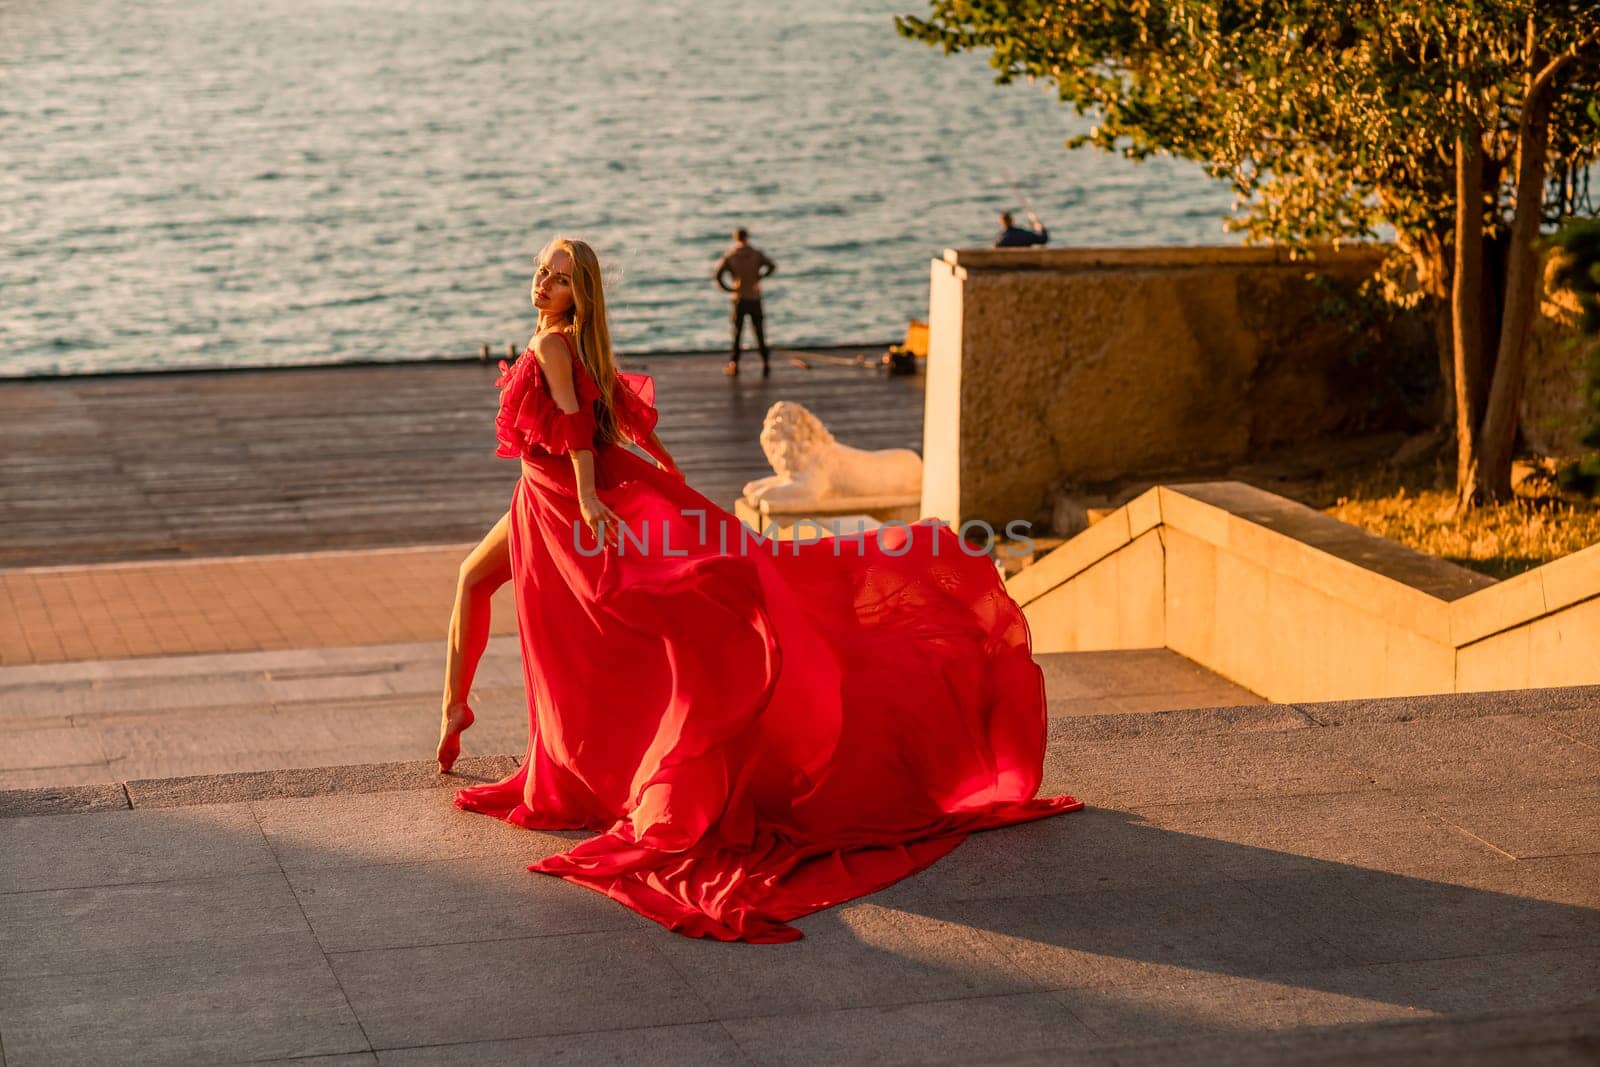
x=1541 y=81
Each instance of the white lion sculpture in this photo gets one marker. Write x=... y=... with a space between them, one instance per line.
x=811 y=468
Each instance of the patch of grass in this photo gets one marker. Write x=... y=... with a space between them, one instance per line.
x=1499 y=540
x=1413 y=504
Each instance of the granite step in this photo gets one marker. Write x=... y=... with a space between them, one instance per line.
x=102 y=721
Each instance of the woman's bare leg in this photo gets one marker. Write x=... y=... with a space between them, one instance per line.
x=486 y=568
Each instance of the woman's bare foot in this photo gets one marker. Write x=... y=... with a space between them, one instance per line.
x=457 y=717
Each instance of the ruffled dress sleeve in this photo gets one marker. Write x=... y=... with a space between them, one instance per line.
x=529 y=420
x=635 y=403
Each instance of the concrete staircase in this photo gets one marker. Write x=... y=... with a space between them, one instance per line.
x=172 y=716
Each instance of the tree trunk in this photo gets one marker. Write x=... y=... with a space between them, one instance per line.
x=1522 y=292
x=1466 y=311
x=1432 y=259
x=1441 y=323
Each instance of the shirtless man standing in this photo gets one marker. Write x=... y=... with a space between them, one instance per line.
x=747 y=265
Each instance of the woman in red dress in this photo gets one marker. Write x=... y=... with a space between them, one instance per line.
x=755 y=729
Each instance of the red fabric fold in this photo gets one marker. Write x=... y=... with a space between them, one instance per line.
x=756 y=735
x=530 y=422
x=635 y=405
x=529 y=419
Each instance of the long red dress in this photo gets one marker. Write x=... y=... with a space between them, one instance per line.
x=755 y=729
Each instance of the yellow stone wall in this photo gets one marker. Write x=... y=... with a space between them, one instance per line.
x=1284 y=602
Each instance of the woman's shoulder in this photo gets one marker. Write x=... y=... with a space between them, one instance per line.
x=556 y=354
x=553 y=347
x=545 y=355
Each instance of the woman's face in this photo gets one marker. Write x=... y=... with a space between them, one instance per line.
x=552 y=283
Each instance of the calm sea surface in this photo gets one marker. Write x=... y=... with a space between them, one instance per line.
x=265 y=182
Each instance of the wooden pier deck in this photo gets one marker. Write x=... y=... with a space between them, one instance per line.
x=175 y=465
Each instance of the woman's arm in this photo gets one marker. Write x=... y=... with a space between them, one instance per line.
x=557 y=369
x=553 y=361
x=556 y=365
x=601 y=520
x=659 y=453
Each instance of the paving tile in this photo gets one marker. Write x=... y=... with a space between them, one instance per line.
x=62 y=800
x=1147 y=673
x=424 y=673
x=1501 y=908
x=1188 y=1005
x=174 y=744
x=83 y=774
x=190 y=765
x=29 y=720
x=1076 y=852
x=322 y=781
x=499 y=675
x=224 y=604
x=1535 y=822
x=1563 y=1037
x=857 y=955
x=694 y=1044
x=1142 y=672
x=1107 y=721
x=1581 y=726
x=347 y=1059
x=221 y=663
x=977 y=1030
x=1075 y=706
x=344 y=830
x=1280 y=836
x=524 y=987
x=1431 y=754
x=1188 y=698
x=306 y=736
x=1530 y=702
x=1141 y=936
x=1171 y=769
x=116 y=847
x=464 y=898
x=342 y=686
x=219 y=1009
x=1359 y=999
x=200 y=691
x=104 y=697
x=1066 y=677
x=1477 y=984
x=131 y=927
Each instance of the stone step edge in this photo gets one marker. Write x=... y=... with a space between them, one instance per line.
x=1372 y=711
x=241 y=786
x=243 y=558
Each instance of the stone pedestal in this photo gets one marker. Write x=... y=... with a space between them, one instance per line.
x=843 y=513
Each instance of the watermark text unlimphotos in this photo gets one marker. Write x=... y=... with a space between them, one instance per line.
x=975 y=537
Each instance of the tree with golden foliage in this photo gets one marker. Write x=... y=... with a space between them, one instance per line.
x=1463 y=128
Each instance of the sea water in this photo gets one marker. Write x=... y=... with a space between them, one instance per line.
x=223 y=183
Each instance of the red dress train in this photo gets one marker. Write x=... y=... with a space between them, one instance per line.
x=755 y=729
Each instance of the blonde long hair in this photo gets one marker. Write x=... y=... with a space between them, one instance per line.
x=587 y=326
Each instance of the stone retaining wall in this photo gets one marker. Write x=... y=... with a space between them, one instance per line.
x=1092 y=364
